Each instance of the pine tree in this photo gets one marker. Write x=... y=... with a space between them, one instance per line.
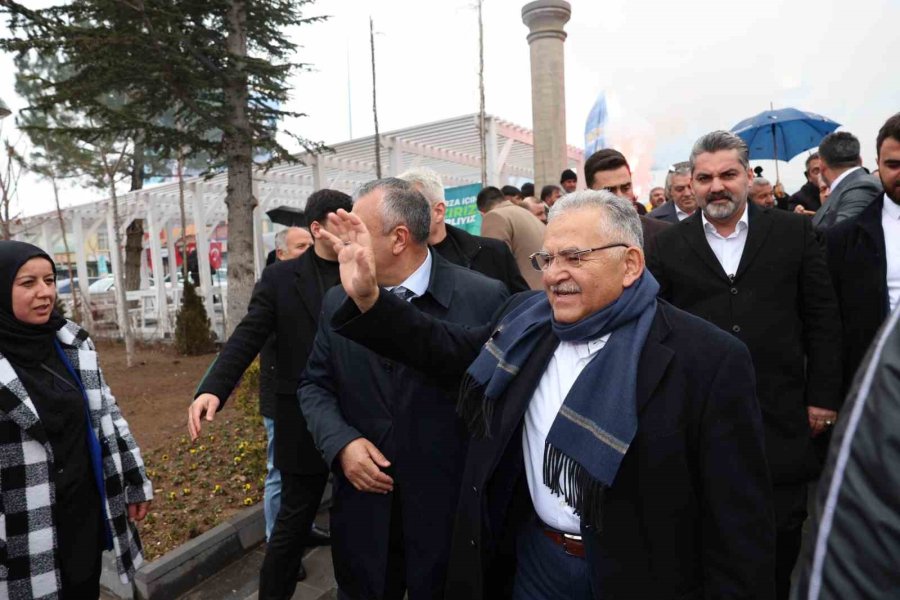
x=198 y=76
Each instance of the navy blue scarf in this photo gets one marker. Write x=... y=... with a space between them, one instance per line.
x=598 y=419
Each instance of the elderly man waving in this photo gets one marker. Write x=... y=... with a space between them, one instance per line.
x=617 y=446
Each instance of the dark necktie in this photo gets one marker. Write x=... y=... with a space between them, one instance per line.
x=403 y=293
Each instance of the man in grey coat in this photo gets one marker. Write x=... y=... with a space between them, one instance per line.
x=852 y=188
x=856 y=537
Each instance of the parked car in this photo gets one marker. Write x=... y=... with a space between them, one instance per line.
x=104 y=284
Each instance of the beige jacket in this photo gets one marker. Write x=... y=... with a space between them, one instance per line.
x=522 y=232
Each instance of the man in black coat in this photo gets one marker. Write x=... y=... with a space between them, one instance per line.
x=486 y=255
x=864 y=256
x=689 y=512
x=807 y=197
x=391 y=436
x=760 y=274
x=286 y=301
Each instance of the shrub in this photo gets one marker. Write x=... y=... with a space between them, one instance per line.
x=192 y=333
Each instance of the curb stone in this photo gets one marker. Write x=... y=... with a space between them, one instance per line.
x=189 y=564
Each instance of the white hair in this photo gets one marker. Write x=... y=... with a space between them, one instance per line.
x=427 y=181
x=759 y=181
x=622 y=223
x=281 y=238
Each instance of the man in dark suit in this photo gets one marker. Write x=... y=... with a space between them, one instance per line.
x=608 y=170
x=760 y=274
x=680 y=201
x=852 y=188
x=486 y=255
x=391 y=436
x=864 y=256
x=617 y=447
x=806 y=199
x=286 y=301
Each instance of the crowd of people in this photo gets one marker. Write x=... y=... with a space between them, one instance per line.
x=538 y=412
x=589 y=400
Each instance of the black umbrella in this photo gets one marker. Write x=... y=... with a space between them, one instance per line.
x=288 y=216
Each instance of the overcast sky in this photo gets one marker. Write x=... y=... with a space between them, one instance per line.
x=671 y=72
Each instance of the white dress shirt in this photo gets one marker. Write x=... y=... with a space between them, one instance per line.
x=728 y=249
x=680 y=214
x=418 y=281
x=565 y=366
x=841 y=177
x=890 y=224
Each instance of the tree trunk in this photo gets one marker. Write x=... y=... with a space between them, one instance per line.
x=237 y=141
x=76 y=308
x=121 y=305
x=134 y=238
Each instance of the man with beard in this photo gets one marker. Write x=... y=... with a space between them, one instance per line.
x=761 y=275
x=679 y=195
x=864 y=256
x=657 y=197
x=761 y=193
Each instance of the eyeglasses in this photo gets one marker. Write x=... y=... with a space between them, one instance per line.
x=541 y=261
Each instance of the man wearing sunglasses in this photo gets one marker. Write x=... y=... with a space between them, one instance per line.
x=616 y=444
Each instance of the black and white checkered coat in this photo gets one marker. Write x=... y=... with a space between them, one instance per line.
x=29 y=567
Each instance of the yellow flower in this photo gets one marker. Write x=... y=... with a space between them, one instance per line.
x=171 y=495
x=247 y=487
x=186 y=491
x=193 y=451
x=248 y=501
x=237 y=460
x=217 y=489
x=202 y=447
x=165 y=457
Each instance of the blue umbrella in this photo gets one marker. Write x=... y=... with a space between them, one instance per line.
x=783 y=134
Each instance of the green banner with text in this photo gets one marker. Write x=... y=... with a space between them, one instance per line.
x=462 y=211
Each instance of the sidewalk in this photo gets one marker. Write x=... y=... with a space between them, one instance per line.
x=240 y=580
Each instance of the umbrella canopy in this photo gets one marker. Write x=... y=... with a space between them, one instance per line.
x=783 y=134
x=288 y=216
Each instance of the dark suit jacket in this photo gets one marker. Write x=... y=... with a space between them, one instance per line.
x=690 y=512
x=781 y=304
x=652 y=228
x=286 y=301
x=855 y=192
x=349 y=392
x=666 y=213
x=807 y=197
x=487 y=256
x=858 y=265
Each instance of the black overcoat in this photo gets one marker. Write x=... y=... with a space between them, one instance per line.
x=349 y=392
x=690 y=512
x=781 y=305
x=857 y=261
x=286 y=301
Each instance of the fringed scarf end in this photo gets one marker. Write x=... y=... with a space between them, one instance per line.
x=566 y=478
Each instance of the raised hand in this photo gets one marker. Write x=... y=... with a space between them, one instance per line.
x=353 y=246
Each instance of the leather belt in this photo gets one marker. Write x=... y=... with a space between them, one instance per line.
x=571 y=544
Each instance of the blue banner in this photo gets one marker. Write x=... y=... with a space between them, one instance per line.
x=595 y=127
x=462 y=211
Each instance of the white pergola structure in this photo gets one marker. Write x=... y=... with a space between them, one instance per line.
x=450 y=147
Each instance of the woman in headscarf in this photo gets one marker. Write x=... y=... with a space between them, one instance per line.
x=72 y=482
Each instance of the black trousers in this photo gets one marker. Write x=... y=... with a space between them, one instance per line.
x=83 y=589
x=790 y=513
x=300 y=498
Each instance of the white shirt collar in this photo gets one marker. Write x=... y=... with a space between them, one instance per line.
x=681 y=214
x=841 y=177
x=418 y=281
x=891 y=209
x=742 y=224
